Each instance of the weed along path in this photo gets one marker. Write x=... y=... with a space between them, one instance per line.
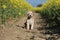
x=13 y=30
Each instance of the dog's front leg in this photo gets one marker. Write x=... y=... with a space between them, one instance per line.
x=27 y=25
x=32 y=26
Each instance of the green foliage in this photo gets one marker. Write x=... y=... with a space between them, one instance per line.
x=13 y=9
x=51 y=11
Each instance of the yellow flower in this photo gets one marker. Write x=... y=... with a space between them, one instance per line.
x=17 y=0
x=11 y=1
x=4 y=6
x=58 y=2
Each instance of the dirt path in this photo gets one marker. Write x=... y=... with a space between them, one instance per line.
x=15 y=31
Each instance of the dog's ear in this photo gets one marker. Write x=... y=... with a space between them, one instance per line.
x=33 y=12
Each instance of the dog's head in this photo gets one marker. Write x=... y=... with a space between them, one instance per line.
x=29 y=16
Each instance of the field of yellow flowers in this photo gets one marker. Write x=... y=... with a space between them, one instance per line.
x=13 y=9
x=51 y=11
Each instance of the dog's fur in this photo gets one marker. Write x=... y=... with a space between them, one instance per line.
x=29 y=22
